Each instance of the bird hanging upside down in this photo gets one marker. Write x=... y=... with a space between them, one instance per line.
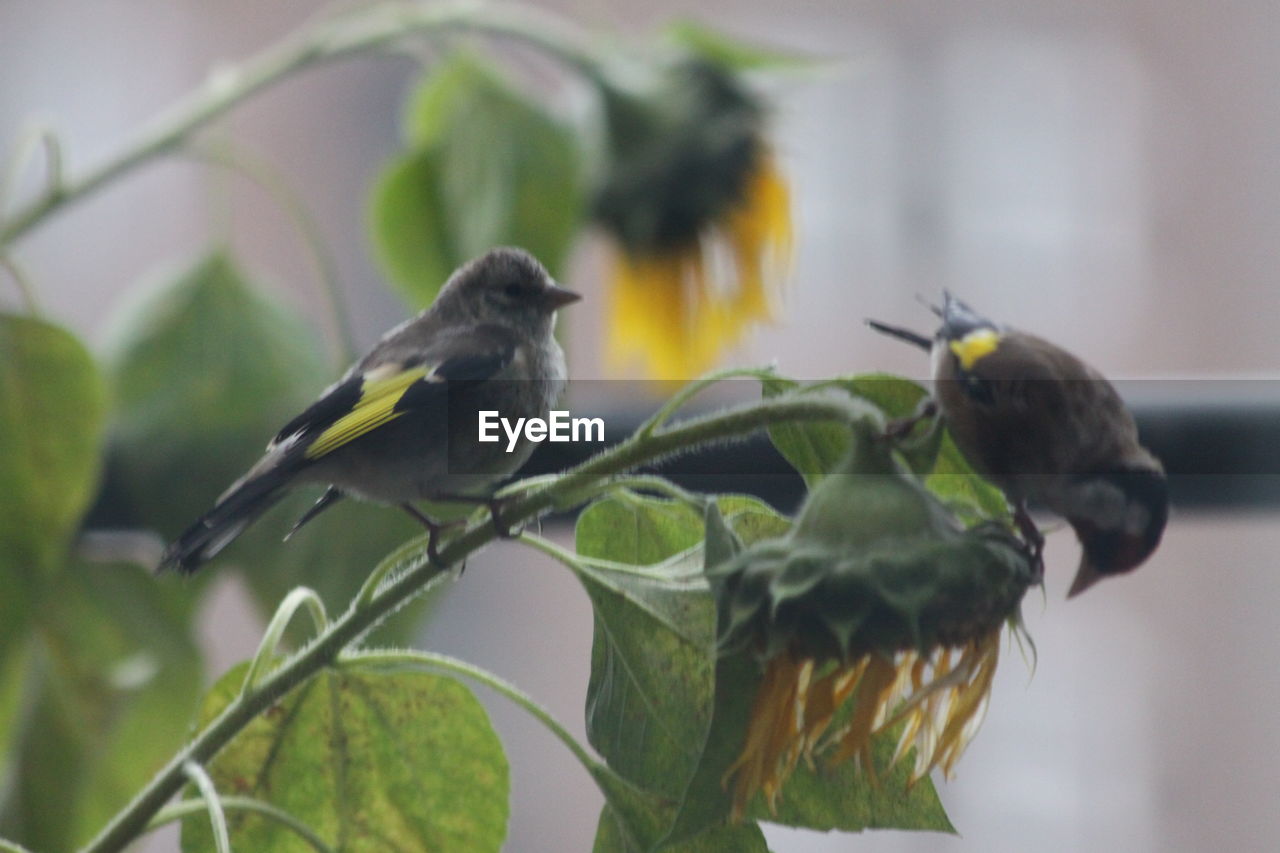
x=1050 y=430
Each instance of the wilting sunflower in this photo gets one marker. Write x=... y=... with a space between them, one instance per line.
x=700 y=215
x=806 y=707
x=876 y=610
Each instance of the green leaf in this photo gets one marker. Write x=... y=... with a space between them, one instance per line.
x=650 y=687
x=486 y=167
x=21 y=588
x=409 y=223
x=634 y=820
x=369 y=760
x=649 y=697
x=843 y=798
x=17 y=675
x=705 y=802
x=814 y=448
x=893 y=395
x=205 y=370
x=734 y=54
x=721 y=544
x=640 y=817
x=955 y=481
x=51 y=413
x=900 y=398
x=52 y=407
x=750 y=520
x=637 y=530
x=110 y=680
x=612 y=837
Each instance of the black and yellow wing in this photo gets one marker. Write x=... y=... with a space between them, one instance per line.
x=380 y=392
x=377 y=395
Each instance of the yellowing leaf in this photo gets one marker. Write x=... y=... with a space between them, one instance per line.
x=205 y=370
x=371 y=761
x=51 y=413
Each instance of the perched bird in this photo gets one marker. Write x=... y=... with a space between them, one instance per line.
x=402 y=424
x=1047 y=429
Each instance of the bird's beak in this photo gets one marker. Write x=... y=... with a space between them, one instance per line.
x=558 y=297
x=902 y=334
x=1086 y=577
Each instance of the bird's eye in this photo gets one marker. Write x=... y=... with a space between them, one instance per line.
x=979 y=389
x=513 y=289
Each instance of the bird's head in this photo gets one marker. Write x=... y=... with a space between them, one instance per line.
x=964 y=339
x=1119 y=517
x=505 y=287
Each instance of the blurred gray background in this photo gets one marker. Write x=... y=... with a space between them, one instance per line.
x=1104 y=174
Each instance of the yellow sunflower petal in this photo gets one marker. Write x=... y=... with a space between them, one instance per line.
x=940 y=701
x=673 y=314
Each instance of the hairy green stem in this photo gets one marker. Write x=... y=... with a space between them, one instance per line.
x=264 y=175
x=37 y=135
x=660 y=485
x=418 y=573
x=578 y=564
x=212 y=804
x=298 y=597
x=696 y=387
x=636 y=482
x=326 y=40
x=23 y=284
x=232 y=803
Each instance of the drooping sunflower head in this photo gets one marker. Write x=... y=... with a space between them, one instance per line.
x=699 y=214
x=877 y=610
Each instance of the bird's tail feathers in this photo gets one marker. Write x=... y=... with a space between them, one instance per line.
x=238 y=507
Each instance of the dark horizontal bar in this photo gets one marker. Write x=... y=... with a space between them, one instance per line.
x=1219 y=457
x=1222 y=457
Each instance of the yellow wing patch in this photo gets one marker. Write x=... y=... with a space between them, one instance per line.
x=974 y=346
x=378 y=398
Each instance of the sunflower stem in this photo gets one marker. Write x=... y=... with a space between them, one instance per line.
x=273 y=183
x=297 y=597
x=186 y=808
x=660 y=485
x=363 y=31
x=697 y=386
x=212 y=804
x=22 y=282
x=36 y=135
x=419 y=572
